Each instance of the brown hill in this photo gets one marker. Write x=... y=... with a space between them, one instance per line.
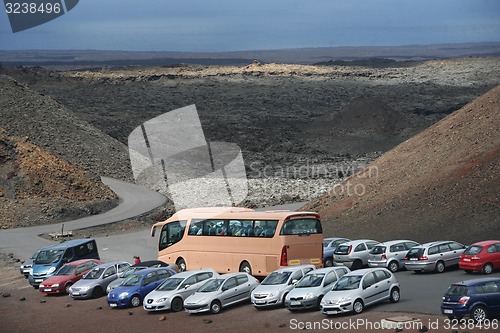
x=36 y=186
x=441 y=183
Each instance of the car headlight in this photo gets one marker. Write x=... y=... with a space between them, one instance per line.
x=51 y=270
x=343 y=299
x=55 y=285
x=309 y=296
x=123 y=295
x=43 y=286
x=163 y=299
x=84 y=288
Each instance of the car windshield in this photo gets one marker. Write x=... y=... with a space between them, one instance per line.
x=310 y=280
x=66 y=270
x=276 y=278
x=132 y=280
x=456 y=290
x=94 y=274
x=378 y=250
x=170 y=284
x=211 y=285
x=474 y=249
x=130 y=271
x=48 y=256
x=342 y=249
x=348 y=282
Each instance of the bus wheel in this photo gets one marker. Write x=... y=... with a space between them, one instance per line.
x=181 y=264
x=245 y=267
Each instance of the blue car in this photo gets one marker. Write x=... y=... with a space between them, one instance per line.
x=133 y=290
x=478 y=299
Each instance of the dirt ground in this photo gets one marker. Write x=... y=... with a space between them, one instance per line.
x=24 y=309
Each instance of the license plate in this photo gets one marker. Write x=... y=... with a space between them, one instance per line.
x=148 y=307
x=448 y=311
x=47 y=289
x=76 y=294
x=191 y=311
x=295 y=303
x=413 y=259
x=260 y=302
x=466 y=259
x=38 y=280
x=113 y=305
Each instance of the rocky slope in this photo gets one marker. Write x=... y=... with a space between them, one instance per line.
x=441 y=183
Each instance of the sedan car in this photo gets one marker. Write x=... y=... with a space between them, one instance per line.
x=309 y=291
x=481 y=257
x=390 y=254
x=133 y=290
x=220 y=292
x=433 y=256
x=94 y=283
x=172 y=292
x=329 y=246
x=67 y=275
x=274 y=288
x=478 y=299
x=359 y=289
x=353 y=254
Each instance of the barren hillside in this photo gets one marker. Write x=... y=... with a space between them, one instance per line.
x=441 y=183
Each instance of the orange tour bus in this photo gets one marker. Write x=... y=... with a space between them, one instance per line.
x=231 y=239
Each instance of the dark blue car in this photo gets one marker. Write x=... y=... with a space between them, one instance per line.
x=478 y=299
x=133 y=290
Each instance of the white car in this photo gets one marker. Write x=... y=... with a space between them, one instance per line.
x=360 y=288
x=221 y=291
x=309 y=291
x=274 y=288
x=174 y=290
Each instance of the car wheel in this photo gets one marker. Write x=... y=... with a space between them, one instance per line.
x=135 y=301
x=215 y=307
x=66 y=288
x=358 y=306
x=328 y=262
x=181 y=264
x=283 y=300
x=245 y=267
x=357 y=264
x=395 y=295
x=97 y=292
x=319 y=302
x=479 y=314
x=177 y=304
x=439 y=267
x=487 y=268
x=393 y=266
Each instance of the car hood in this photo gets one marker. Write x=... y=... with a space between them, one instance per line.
x=87 y=283
x=118 y=290
x=302 y=292
x=334 y=295
x=61 y=279
x=115 y=282
x=155 y=294
x=267 y=289
x=201 y=297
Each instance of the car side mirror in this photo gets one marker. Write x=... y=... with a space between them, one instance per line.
x=187 y=286
x=294 y=281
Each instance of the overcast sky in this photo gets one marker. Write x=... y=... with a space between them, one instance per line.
x=230 y=25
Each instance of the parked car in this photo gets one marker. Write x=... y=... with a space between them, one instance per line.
x=172 y=292
x=359 y=289
x=67 y=275
x=309 y=291
x=94 y=283
x=390 y=254
x=133 y=290
x=27 y=266
x=274 y=288
x=329 y=246
x=479 y=299
x=220 y=292
x=353 y=254
x=433 y=256
x=134 y=268
x=481 y=257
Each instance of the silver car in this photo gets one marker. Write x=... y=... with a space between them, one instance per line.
x=309 y=291
x=174 y=290
x=434 y=256
x=222 y=291
x=361 y=288
x=27 y=266
x=94 y=283
x=329 y=246
x=390 y=254
x=274 y=288
x=353 y=254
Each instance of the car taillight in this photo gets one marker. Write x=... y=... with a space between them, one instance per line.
x=406 y=258
x=423 y=258
x=463 y=300
x=350 y=248
x=284 y=257
x=384 y=257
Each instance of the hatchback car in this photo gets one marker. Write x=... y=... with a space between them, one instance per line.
x=94 y=283
x=67 y=275
x=133 y=290
x=309 y=291
x=434 y=256
x=353 y=254
x=390 y=254
x=274 y=288
x=27 y=266
x=172 y=292
x=220 y=292
x=329 y=246
x=359 y=289
x=481 y=257
x=478 y=299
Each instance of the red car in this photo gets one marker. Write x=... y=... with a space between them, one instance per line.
x=481 y=257
x=67 y=275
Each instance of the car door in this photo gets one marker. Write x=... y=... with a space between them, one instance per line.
x=490 y=295
x=360 y=252
x=493 y=253
x=81 y=269
x=150 y=282
x=189 y=286
x=368 y=288
x=383 y=284
x=108 y=276
x=445 y=254
x=230 y=291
